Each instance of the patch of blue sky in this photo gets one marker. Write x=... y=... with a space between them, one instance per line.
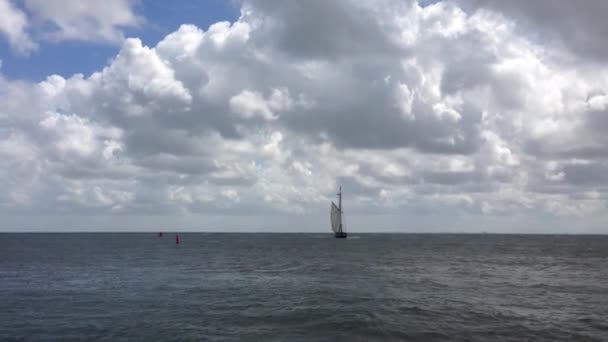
x=67 y=58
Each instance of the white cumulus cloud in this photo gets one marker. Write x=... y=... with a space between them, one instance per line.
x=14 y=26
x=59 y=20
x=85 y=20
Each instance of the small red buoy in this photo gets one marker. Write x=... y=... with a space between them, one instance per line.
x=177 y=239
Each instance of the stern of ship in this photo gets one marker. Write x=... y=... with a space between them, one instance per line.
x=340 y=235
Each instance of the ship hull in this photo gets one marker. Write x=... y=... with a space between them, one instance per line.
x=340 y=235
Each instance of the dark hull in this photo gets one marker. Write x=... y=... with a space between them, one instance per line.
x=340 y=235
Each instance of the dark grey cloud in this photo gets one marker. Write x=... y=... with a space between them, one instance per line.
x=187 y=165
x=320 y=29
x=581 y=26
x=357 y=188
x=586 y=174
x=452 y=178
x=595 y=150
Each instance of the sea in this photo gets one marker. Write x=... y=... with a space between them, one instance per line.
x=303 y=287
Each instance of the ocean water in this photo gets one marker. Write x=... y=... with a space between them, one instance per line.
x=300 y=287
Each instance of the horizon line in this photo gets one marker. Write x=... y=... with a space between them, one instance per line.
x=294 y=233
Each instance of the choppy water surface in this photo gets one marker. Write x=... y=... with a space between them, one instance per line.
x=281 y=287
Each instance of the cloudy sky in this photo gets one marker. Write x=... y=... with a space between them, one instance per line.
x=463 y=116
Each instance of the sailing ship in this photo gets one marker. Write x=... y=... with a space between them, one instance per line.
x=336 y=218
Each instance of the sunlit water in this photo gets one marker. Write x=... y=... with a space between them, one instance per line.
x=281 y=287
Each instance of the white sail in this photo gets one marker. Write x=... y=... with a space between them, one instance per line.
x=335 y=218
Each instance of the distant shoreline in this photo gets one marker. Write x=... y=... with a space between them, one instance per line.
x=300 y=233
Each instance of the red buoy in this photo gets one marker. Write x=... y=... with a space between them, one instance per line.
x=177 y=239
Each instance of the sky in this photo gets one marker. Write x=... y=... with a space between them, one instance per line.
x=247 y=115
